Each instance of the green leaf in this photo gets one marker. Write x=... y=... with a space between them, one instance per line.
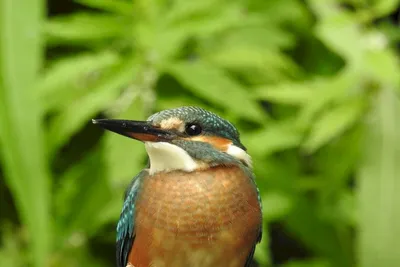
x=68 y=79
x=379 y=184
x=216 y=86
x=251 y=47
x=317 y=234
x=342 y=33
x=168 y=38
x=268 y=36
x=281 y=12
x=308 y=263
x=122 y=7
x=383 y=65
x=270 y=61
x=92 y=196
x=217 y=21
x=70 y=120
x=275 y=137
x=385 y=7
x=287 y=93
x=124 y=157
x=22 y=151
x=12 y=250
x=327 y=91
x=178 y=100
x=276 y=205
x=83 y=27
x=334 y=123
x=187 y=10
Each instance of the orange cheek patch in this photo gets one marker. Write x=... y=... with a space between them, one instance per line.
x=219 y=143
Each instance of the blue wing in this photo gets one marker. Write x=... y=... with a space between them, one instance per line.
x=126 y=223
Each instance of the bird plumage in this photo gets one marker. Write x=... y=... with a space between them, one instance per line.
x=214 y=212
x=197 y=204
x=126 y=223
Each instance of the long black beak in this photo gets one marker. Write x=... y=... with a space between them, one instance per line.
x=139 y=130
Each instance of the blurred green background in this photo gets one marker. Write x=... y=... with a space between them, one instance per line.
x=312 y=85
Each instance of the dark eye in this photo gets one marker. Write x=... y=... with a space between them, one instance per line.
x=193 y=129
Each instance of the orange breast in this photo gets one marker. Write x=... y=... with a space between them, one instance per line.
x=206 y=218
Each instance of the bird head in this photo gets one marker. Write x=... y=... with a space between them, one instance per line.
x=185 y=138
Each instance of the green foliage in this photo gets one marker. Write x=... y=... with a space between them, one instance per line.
x=21 y=135
x=329 y=73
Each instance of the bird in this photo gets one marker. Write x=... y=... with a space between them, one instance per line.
x=196 y=203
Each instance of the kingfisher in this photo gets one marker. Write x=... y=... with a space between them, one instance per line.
x=196 y=204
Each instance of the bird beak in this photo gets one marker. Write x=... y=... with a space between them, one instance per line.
x=139 y=130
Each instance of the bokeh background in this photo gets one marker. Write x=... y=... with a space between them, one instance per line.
x=312 y=85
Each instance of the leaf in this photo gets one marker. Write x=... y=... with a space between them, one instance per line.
x=308 y=263
x=280 y=12
x=68 y=79
x=383 y=65
x=315 y=233
x=327 y=91
x=251 y=47
x=334 y=123
x=70 y=120
x=118 y=6
x=244 y=57
x=276 y=205
x=215 y=20
x=83 y=27
x=342 y=33
x=385 y=7
x=168 y=39
x=124 y=157
x=179 y=100
x=379 y=184
x=91 y=196
x=187 y=10
x=22 y=151
x=213 y=84
x=270 y=36
x=12 y=250
x=275 y=137
x=287 y=93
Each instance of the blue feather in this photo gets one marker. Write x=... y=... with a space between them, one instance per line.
x=126 y=223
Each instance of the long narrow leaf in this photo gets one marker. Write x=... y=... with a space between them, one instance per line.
x=68 y=79
x=379 y=186
x=21 y=135
x=215 y=85
x=118 y=6
x=78 y=114
x=84 y=27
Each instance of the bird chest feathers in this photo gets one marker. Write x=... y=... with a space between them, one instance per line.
x=196 y=218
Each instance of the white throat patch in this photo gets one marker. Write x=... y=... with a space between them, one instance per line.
x=239 y=154
x=167 y=157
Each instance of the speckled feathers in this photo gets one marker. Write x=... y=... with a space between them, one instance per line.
x=211 y=123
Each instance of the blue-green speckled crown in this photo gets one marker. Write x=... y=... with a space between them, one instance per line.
x=211 y=123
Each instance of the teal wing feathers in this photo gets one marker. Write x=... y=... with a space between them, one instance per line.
x=126 y=223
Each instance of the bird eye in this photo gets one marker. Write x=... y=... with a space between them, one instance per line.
x=193 y=129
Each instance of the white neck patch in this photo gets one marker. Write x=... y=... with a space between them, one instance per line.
x=239 y=154
x=167 y=157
